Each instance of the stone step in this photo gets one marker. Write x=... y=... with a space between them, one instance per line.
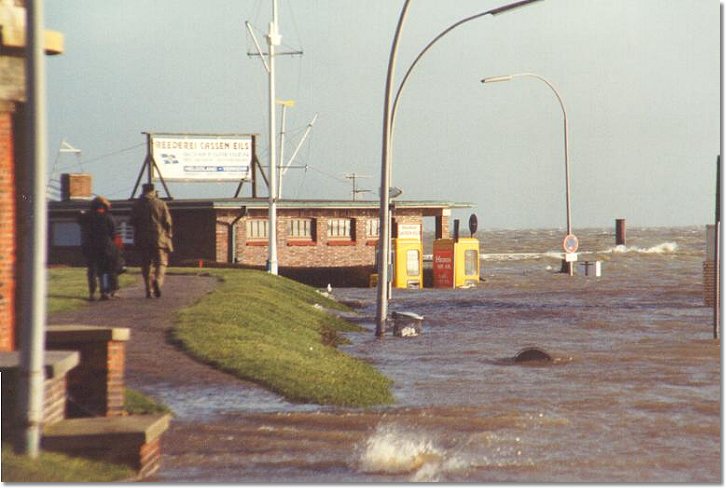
x=134 y=440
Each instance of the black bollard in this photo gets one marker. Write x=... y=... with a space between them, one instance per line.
x=619 y=232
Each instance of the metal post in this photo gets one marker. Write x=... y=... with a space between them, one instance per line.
x=281 y=156
x=32 y=265
x=273 y=39
x=566 y=141
x=620 y=232
x=385 y=221
x=388 y=128
x=717 y=256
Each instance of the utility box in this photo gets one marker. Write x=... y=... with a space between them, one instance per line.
x=407 y=258
x=456 y=262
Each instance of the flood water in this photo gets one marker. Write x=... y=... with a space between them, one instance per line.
x=632 y=396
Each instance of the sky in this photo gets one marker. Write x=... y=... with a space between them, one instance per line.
x=640 y=81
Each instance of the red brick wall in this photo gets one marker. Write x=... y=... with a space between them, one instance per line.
x=54 y=400
x=7 y=231
x=323 y=252
x=96 y=385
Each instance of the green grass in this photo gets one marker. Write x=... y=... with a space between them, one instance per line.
x=136 y=403
x=264 y=328
x=68 y=288
x=51 y=467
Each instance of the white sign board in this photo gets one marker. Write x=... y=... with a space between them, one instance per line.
x=409 y=231
x=202 y=157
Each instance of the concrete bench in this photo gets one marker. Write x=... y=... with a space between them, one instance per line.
x=133 y=440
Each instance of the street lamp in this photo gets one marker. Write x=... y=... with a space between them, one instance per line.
x=496 y=79
x=389 y=112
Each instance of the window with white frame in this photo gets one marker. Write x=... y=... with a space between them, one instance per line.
x=300 y=229
x=372 y=228
x=256 y=229
x=339 y=228
x=125 y=230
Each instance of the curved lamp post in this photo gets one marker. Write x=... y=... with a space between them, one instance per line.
x=495 y=79
x=389 y=113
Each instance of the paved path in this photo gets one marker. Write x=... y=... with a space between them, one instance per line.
x=150 y=359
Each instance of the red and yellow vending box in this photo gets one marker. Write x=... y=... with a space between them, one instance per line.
x=456 y=262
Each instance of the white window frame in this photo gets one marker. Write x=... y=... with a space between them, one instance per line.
x=373 y=230
x=340 y=229
x=125 y=230
x=300 y=229
x=257 y=229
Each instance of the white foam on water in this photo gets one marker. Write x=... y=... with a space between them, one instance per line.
x=392 y=449
x=663 y=248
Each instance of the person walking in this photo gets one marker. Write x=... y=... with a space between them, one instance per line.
x=152 y=224
x=99 y=232
x=84 y=220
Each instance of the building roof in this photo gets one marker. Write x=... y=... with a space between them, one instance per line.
x=262 y=204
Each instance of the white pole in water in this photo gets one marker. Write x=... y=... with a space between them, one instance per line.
x=32 y=265
x=273 y=39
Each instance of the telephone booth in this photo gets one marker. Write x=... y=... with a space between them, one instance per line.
x=456 y=262
x=407 y=258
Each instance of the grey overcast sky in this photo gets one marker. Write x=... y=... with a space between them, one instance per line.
x=640 y=80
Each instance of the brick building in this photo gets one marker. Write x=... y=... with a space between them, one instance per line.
x=12 y=103
x=319 y=241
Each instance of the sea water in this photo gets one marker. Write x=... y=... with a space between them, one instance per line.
x=633 y=393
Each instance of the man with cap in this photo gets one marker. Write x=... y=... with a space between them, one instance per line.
x=152 y=238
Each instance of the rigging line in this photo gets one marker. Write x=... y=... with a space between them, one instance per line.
x=302 y=182
x=294 y=24
x=327 y=174
x=102 y=156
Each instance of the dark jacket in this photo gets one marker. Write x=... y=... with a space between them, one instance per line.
x=100 y=239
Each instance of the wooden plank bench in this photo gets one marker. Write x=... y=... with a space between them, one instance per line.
x=134 y=440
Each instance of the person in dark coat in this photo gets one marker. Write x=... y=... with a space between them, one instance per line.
x=84 y=220
x=101 y=247
x=152 y=224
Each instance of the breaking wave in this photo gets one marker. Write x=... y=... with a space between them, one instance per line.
x=663 y=248
x=395 y=450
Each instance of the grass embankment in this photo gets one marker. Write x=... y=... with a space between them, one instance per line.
x=265 y=329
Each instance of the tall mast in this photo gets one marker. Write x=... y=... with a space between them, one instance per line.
x=273 y=40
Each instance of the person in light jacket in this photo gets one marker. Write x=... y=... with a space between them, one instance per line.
x=152 y=224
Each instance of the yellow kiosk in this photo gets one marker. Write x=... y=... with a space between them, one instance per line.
x=456 y=262
x=407 y=258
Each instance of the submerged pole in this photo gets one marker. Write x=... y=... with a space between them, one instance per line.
x=620 y=232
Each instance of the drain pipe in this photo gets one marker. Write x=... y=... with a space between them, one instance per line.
x=232 y=235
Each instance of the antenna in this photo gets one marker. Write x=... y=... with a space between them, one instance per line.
x=53 y=187
x=353 y=177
